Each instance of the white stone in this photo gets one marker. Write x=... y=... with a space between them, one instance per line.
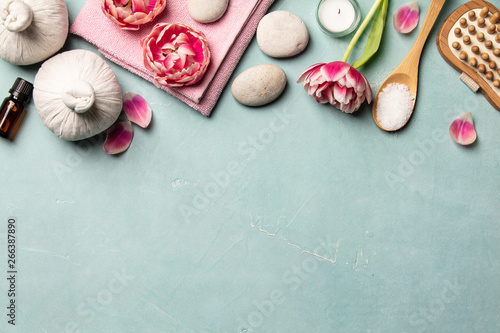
x=207 y=11
x=281 y=34
x=259 y=85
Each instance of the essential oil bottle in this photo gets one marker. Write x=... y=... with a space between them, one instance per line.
x=14 y=108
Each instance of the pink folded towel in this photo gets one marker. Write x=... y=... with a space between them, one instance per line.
x=227 y=39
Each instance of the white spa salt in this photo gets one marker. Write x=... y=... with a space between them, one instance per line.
x=394 y=106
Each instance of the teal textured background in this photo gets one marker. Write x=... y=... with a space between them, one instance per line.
x=292 y=217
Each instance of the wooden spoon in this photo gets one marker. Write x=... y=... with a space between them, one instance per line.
x=407 y=71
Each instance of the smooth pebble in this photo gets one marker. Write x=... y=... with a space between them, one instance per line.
x=259 y=85
x=207 y=11
x=282 y=34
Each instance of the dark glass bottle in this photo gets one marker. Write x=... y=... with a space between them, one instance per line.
x=14 y=108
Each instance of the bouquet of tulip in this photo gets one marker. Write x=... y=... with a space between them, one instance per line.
x=339 y=83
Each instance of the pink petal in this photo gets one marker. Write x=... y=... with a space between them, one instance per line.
x=151 y=6
x=329 y=94
x=335 y=71
x=182 y=61
x=137 y=109
x=315 y=77
x=339 y=93
x=186 y=49
x=406 y=17
x=321 y=88
x=118 y=137
x=155 y=52
x=311 y=89
x=462 y=129
x=168 y=47
x=368 y=90
x=182 y=39
x=308 y=71
x=138 y=6
x=170 y=60
x=199 y=49
x=350 y=107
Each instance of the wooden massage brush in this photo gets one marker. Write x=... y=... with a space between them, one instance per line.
x=469 y=40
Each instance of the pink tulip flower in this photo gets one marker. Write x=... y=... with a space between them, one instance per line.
x=177 y=54
x=337 y=83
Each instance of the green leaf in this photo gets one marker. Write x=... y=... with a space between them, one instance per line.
x=376 y=5
x=375 y=36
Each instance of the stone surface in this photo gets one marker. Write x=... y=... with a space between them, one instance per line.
x=207 y=11
x=282 y=34
x=259 y=85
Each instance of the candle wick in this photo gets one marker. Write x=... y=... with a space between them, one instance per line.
x=339 y=10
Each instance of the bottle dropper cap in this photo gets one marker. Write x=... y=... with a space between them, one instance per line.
x=21 y=89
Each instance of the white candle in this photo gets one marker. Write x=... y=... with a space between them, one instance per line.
x=337 y=15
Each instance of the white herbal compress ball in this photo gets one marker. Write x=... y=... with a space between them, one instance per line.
x=77 y=95
x=32 y=30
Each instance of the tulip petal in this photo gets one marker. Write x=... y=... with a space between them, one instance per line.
x=138 y=6
x=170 y=60
x=368 y=91
x=137 y=109
x=118 y=137
x=186 y=49
x=462 y=129
x=339 y=93
x=406 y=17
x=182 y=39
x=335 y=71
x=308 y=72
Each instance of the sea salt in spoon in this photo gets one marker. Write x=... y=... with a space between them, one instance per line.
x=407 y=72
